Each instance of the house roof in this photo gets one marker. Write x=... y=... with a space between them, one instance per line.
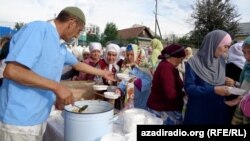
x=244 y=28
x=135 y=32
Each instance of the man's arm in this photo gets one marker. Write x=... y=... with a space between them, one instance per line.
x=83 y=67
x=21 y=74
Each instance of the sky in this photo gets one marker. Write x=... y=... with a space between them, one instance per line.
x=173 y=15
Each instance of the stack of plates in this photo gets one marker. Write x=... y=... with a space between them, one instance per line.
x=123 y=76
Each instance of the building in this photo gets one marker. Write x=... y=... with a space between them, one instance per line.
x=244 y=31
x=141 y=35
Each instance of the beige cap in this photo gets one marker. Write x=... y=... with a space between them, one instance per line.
x=77 y=12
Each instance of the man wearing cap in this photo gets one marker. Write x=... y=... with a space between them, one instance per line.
x=31 y=78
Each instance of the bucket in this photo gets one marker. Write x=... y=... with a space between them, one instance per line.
x=91 y=124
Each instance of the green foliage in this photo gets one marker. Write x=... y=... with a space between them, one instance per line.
x=110 y=33
x=185 y=40
x=209 y=15
x=18 y=25
x=93 y=38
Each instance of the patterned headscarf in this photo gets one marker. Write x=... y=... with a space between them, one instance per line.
x=138 y=52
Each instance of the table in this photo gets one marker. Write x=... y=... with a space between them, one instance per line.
x=55 y=127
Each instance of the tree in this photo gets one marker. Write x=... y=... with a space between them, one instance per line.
x=171 y=38
x=209 y=15
x=185 y=40
x=18 y=25
x=110 y=33
x=92 y=38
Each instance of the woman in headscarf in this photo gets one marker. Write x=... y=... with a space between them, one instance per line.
x=181 y=67
x=157 y=47
x=134 y=65
x=95 y=49
x=85 y=53
x=111 y=56
x=205 y=82
x=122 y=53
x=166 y=98
x=234 y=66
x=242 y=112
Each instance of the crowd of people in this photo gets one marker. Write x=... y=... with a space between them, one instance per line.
x=165 y=78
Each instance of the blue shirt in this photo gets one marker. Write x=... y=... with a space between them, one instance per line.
x=36 y=46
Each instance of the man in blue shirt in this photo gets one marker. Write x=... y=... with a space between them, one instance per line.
x=31 y=78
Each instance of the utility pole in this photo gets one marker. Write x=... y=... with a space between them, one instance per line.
x=156 y=20
x=156 y=17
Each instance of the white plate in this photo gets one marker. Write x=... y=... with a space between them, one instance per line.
x=123 y=76
x=100 y=87
x=111 y=95
x=236 y=91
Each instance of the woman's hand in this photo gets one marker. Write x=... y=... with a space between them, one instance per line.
x=234 y=101
x=229 y=82
x=221 y=90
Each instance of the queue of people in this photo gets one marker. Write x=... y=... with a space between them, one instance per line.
x=37 y=55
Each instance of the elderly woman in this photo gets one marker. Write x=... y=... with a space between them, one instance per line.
x=205 y=82
x=95 y=49
x=85 y=53
x=181 y=67
x=134 y=64
x=166 y=98
x=111 y=56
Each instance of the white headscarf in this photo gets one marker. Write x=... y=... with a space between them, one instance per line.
x=122 y=49
x=236 y=56
x=85 y=50
x=112 y=48
x=95 y=46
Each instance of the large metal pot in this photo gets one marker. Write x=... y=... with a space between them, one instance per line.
x=91 y=124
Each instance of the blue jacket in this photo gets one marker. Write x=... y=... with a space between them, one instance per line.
x=204 y=106
x=140 y=95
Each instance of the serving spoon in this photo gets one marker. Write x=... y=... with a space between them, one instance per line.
x=81 y=109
